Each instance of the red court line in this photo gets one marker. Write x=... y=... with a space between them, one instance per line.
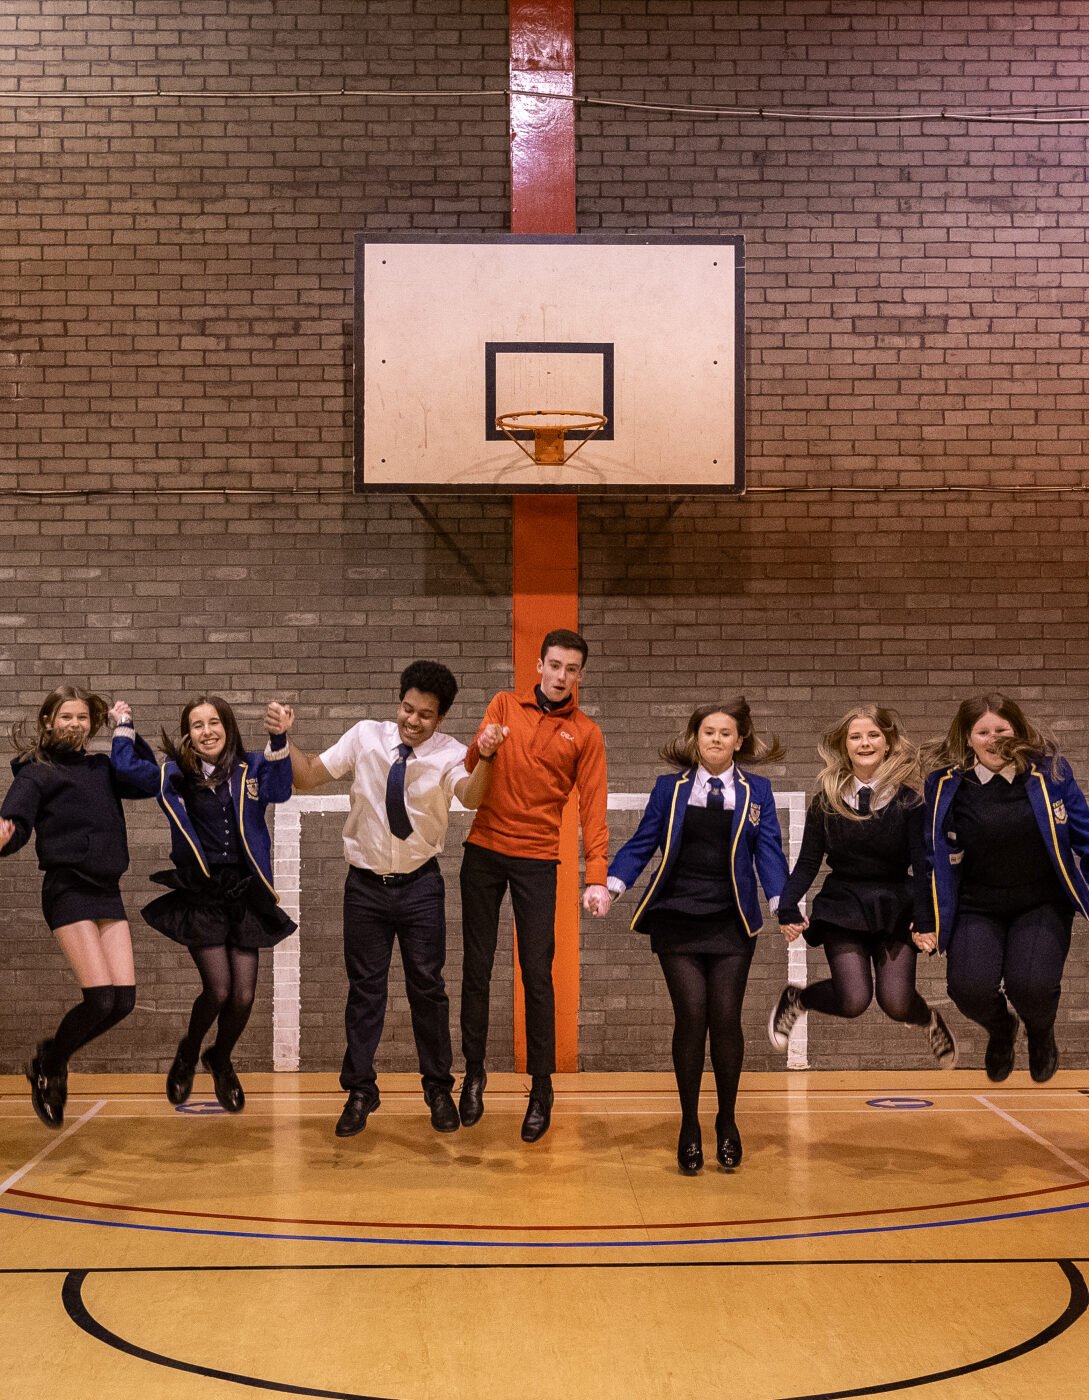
x=550 y=1229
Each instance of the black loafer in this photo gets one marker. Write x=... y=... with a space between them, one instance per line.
x=689 y=1156
x=538 y=1116
x=179 y=1079
x=444 y=1114
x=999 y=1056
x=471 y=1101
x=729 y=1150
x=45 y=1092
x=356 y=1111
x=1043 y=1056
x=228 y=1089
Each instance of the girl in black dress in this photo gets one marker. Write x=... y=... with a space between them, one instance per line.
x=222 y=905
x=71 y=801
x=867 y=822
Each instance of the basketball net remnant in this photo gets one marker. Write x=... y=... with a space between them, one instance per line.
x=549 y=439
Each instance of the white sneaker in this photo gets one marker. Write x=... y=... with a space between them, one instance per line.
x=783 y=1016
x=942 y=1042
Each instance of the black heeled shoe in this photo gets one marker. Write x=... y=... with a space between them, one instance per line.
x=729 y=1151
x=689 y=1155
x=226 y=1083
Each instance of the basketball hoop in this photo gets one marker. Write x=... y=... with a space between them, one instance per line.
x=549 y=445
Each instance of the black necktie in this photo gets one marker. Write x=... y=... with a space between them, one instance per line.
x=864 y=795
x=715 y=800
x=399 y=823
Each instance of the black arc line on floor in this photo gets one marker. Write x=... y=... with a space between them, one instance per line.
x=1077 y=1305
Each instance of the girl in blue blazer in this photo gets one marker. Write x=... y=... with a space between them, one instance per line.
x=1007 y=829
x=222 y=905
x=718 y=832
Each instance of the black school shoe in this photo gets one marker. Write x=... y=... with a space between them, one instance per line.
x=47 y=1091
x=998 y=1060
x=179 y=1079
x=1043 y=1056
x=228 y=1089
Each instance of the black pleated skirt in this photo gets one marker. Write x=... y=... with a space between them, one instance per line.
x=230 y=908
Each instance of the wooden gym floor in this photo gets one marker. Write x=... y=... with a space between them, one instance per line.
x=887 y=1233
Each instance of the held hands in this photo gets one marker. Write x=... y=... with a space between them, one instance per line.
x=7 y=831
x=279 y=718
x=792 y=931
x=120 y=713
x=597 y=900
x=489 y=739
x=925 y=942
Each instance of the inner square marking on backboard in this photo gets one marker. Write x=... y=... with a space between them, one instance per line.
x=517 y=377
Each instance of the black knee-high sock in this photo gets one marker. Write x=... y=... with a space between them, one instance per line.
x=687 y=983
x=78 y=1026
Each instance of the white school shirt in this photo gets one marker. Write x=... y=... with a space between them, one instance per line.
x=432 y=771
x=986 y=774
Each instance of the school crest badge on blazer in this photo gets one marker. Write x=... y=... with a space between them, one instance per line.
x=251 y=788
x=1059 y=808
x=754 y=814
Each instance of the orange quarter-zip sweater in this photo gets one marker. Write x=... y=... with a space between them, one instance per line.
x=542 y=758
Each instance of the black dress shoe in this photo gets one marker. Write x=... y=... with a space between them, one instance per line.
x=228 y=1089
x=45 y=1092
x=471 y=1102
x=444 y=1114
x=728 y=1151
x=179 y=1079
x=356 y=1111
x=538 y=1115
x=1043 y=1056
x=690 y=1155
x=998 y=1059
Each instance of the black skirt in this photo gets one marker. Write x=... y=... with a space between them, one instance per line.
x=227 y=909
x=876 y=912
x=69 y=897
x=721 y=934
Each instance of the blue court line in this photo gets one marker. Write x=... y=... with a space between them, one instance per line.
x=550 y=1244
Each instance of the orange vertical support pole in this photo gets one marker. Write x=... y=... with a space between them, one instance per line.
x=545 y=540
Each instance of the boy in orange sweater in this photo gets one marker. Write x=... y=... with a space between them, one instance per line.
x=514 y=843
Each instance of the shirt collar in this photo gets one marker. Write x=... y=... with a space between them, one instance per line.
x=986 y=774
x=727 y=778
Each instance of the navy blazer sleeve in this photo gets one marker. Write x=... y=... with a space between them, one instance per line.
x=1077 y=816
x=631 y=859
x=771 y=864
x=274 y=775
x=135 y=767
x=923 y=918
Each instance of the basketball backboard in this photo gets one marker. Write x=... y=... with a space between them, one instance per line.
x=453 y=331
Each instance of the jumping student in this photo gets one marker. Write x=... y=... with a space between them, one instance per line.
x=1008 y=831
x=222 y=906
x=866 y=821
x=405 y=774
x=716 y=827
x=71 y=801
x=514 y=844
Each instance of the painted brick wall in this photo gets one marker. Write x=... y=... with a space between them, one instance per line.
x=177 y=307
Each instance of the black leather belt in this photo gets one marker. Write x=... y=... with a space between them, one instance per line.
x=428 y=868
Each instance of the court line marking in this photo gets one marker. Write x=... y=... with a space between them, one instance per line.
x=17 y=1176
x=1079 y=1167
x=1076 y=1305
x=592 y=1244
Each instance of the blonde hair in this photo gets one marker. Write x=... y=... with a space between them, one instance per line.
x=1027 y=745
x=684 y=751
x=36 y=745
x=899 y=768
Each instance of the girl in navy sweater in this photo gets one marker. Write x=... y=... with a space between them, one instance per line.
x=70 y=801
x=866 y=821
x=222 y=906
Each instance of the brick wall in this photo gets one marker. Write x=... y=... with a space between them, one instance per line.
x=177 y=306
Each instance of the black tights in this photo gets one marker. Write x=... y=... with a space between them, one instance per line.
x=854 y=967
x=100 y=1010
x=707 y=991
x=229 y=976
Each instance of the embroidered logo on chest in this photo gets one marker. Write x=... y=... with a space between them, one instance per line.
x=251 y=788
x=754 y=814
x=1059 y=808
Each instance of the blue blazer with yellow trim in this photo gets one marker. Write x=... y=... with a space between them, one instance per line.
x=259 y=779
x=1062 y=816
x=756 y=844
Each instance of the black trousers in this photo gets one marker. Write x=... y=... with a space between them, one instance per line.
x=374 y=915
x=485 y=878
x=1023 y=953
